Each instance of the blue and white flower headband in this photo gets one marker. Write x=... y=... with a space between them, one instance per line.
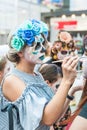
x=27 y=32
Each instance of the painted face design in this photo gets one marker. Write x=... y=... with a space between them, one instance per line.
x=39 y=47
x=36 y=53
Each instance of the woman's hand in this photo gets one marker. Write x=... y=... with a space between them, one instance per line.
x=69 y=68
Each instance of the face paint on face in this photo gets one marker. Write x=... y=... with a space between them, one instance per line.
x=39 y=39
x=39 y=53
x=36 y=53
x=39 y=48
x=28 y=55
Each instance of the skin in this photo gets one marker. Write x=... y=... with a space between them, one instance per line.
x=33 y=55
x=53 y=109
x=71 y=92
x=79 y=123
x=57 y=46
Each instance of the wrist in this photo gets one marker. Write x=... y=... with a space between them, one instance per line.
x=66 y=82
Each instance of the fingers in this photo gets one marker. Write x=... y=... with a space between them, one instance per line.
x=66 y=59
x=71 y=62
x=74 y=63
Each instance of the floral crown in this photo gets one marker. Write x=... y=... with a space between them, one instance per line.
x=26 y=33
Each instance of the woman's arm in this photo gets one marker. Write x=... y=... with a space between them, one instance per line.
x=54 y=108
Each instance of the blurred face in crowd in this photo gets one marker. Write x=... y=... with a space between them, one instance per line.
x=57 y=45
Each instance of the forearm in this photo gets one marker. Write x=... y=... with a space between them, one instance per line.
x=54 y=108
x=67 y=102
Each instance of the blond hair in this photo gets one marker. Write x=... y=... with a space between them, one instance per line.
x=3 y=62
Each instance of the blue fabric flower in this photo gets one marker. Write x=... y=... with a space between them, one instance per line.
x=36 y=29
x=17 y=43
x=27 y=32
x=28 y=36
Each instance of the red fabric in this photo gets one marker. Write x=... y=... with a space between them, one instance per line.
x=68 y=126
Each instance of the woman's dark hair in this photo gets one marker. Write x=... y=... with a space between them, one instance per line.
x=50 y=72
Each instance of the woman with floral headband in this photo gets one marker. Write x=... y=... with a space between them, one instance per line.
x=30 y=103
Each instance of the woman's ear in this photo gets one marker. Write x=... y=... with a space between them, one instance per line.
x=47 y=81
x=49 y=84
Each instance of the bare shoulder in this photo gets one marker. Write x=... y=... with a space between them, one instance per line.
x=13 y=87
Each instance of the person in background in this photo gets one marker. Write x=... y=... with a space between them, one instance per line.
x=63 y=46
x=84 y=56
x=85 y=45
x=55 y=49
x=80 y=122
x=29 y=101
x=3 y=67
x=48 y=58
x=78 y=119
x=52 y=75
x=3 y=70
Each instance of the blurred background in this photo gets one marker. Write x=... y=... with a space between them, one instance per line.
x=70 y=15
